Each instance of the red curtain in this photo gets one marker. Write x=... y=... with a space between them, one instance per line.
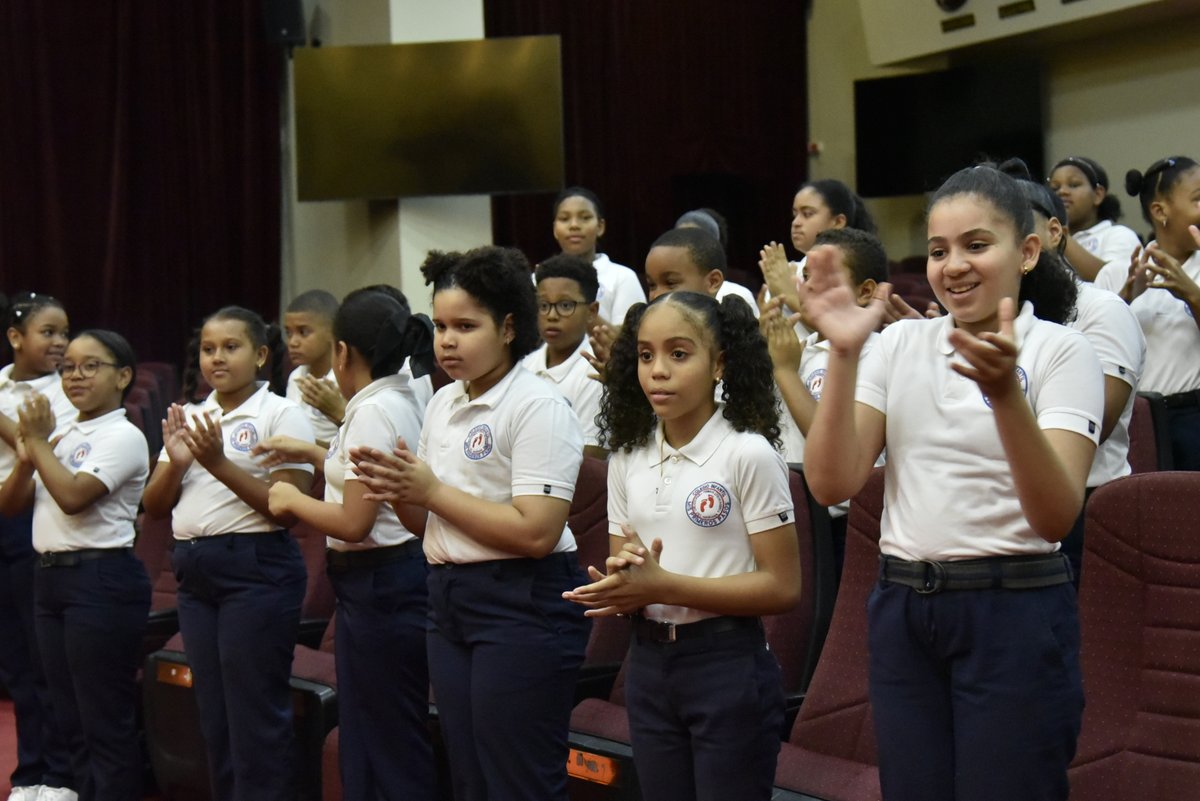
x=670 y=106
x=139 y=162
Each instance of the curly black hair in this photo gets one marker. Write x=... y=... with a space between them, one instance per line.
x=750 y=403
x=498 y=279
x=1050 y=285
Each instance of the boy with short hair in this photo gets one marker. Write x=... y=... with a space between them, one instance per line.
x=690 y=259
x=308 y=332
x=567 y=308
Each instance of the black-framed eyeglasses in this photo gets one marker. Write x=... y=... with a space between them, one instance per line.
x=86 y=369
x=565 y=308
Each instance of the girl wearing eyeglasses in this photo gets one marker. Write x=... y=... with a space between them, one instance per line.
x=92 y=594
x=35 y=327
x=1161 y=284
x=567 y=309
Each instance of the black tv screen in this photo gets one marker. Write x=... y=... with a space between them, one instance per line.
x=440 y=118
x=913 y=131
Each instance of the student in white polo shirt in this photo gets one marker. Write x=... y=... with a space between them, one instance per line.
x=1092 y=213
x=703 y=484
x=241 y=576
x=1162 y=287
x=376 y=565
x=990 y=418
x=35 y=326
x=92 y=593
x=567 y=308
x=578 y=225
x=490 y=485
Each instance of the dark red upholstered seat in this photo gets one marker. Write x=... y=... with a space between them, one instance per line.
x=831 y=751
x=1139 y=608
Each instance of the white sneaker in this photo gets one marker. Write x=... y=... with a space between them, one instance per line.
x=56 y=794
x=29 y=793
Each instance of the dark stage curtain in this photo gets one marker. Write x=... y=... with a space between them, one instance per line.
x=139 y=162
x=669 y=106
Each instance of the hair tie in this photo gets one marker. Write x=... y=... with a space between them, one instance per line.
x=1085 y=167
x=418 y=344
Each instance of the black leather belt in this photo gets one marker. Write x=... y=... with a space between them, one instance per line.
x=647 y=630
x=73 y=558
x=341 y=561
x=1182 y=399
x=999 y=572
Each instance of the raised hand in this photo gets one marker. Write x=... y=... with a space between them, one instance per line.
x=1164 y=271
x=830 y=303
x=281 y=449
x=173 y=427
x=204 y=441
x=322 y=396
x=35 y=417
x=785 y=348
x=634 y=580
x=779 y=276
x=991 y=356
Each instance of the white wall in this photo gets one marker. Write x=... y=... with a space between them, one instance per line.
x=343 y=245
x=1125 y=99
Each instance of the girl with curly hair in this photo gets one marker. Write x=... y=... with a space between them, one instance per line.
x=702 y=482
x=488 y=488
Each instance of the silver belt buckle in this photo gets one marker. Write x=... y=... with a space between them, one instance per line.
x=935 y=578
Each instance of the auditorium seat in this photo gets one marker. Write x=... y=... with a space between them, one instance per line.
x=153 y=547
x=1139 y=608
x=168 y=378
x=1149 y=434
x=601 y=764
x=831 y=753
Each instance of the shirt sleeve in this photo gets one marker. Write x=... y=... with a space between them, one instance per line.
x=762 y=487
x=291 y=421
x=588 y=406
x=1071 y=395
x=547 y=449
x=1112 y=276
x=618 y=466
x=116 y=457
x=1119 y=244
x=1117 y=338
x=872 y=372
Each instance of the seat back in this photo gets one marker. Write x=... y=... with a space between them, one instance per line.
x=1149 y=434
x=833 y=738
x=796 y=636
x=1139 y=609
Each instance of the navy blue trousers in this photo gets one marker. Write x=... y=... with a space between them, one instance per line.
x=90 y=621
x=976 y=694
x=42 y=756
x=1185 y=437
x=383 y=681
x=504 y=653
x=705 y=716
x=239 y=612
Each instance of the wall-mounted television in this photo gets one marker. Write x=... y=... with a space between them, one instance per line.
x=913 y=131
x=440 y=118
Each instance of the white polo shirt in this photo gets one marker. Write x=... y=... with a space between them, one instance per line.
x=113 y=450
x=620 y=288
x=704 y=501
x=573 y=381
x=14 y=393
x=738 y=291
x=323 y=428
x=207 y=507
x=1172 y=336
x=518 y=438
x=949 y=491
x=376 y=416
x=814 y=364
x=1113 y=331
x=1108 y=242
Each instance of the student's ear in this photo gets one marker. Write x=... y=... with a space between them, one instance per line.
x=507 y=329
x=1100 y=192
x=593 y=312
x=865 y=292
x=14 y=337
x=1031 y=249
x=341 y=355
x=713 y=281
x=600 y=226
x=839 y=221
x=124 y=376
x=719 y=367
x=1057 y=232
x=1158 y=212
x=261 y=356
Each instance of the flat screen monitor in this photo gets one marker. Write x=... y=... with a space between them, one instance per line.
x=914 y=131
x=440 y=118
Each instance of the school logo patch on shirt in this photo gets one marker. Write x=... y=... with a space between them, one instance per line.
x=478 y=443
x=1022 y=379
x=708 y=504
x=815 y=383
x=244 y=437
x=79 y=454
